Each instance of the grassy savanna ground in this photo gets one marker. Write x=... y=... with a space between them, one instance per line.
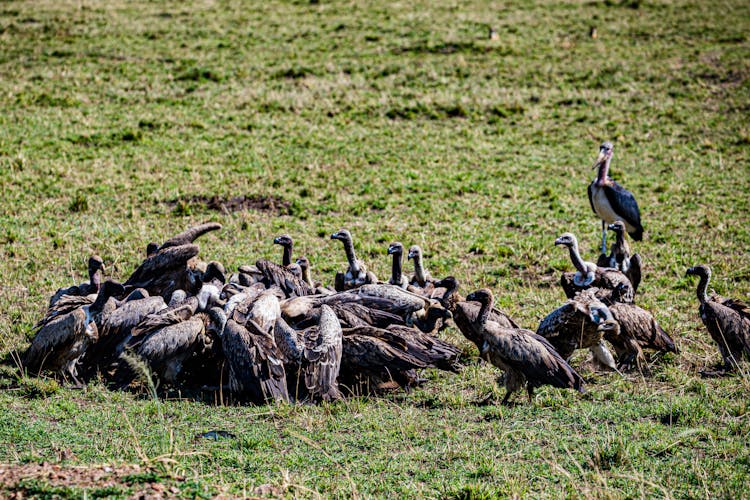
x=400 y=122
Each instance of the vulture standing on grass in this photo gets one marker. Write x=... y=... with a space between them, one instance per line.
x=637 y=330
x=465 y=312
x=396 y=249
x=612 y=202
x=59 y=343
x=576 y=325
x=727 y=320
x=619 y=257
x=525 y=357
x=96 y=268
x=611 y=284
x=356 y=274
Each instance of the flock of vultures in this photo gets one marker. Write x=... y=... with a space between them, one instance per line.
x=269 y=332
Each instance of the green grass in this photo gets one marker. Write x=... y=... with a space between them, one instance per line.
x=399 y=122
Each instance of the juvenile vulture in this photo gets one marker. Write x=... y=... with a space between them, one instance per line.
x=611 y=284
x=525 y=357
x=619 y=257
x=727 y=320
x=59 y=343
x=465 y=313
x=576 y=325
x=396 y=249
x=287 y=243
x=612 y=202
x=96 y=268
x=356 y=274
x=421 y=275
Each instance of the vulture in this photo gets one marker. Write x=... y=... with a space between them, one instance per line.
x=287 y=243
x=612 y=285
x=619 y=257
x=637 y=330
x=356 y=274
x=576 y=325
x=421 y=276
x=727 y=320
x=397 y=277
x=166 y=271
x=525 y=357
x=165 y=349
x=256 y=364
x=312 y=357
x=612 y=202
x=465 y=312
x=115 y=331
x=96 y=268
x=274 y=275
x=304 y=265
x=60 y=343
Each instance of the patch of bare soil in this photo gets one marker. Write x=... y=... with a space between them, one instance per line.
x=15 y=480
x=259 y=203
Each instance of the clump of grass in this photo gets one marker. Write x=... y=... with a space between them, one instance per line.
x=79 y=203
x=38 y=387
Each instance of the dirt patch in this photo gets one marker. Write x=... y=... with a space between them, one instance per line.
x=273 y=204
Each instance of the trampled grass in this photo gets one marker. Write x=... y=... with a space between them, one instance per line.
x=399 y=121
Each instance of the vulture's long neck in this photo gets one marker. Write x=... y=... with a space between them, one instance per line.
x=484 y=313
x=703 y=288
x=419 y=270
x=349 y=249
x=575 y=257
x=95 y=279
x=396 y=270
x=286 y=258
x=306 y=276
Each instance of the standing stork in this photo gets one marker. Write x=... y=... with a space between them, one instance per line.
x=612 y=202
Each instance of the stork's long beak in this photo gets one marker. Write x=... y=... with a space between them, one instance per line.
x=599 y=159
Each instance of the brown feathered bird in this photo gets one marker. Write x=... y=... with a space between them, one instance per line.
x=727 y=320
x=525 y=357
x=356 y=274
x=60 y=343
x=612 y=285
x=95 y=268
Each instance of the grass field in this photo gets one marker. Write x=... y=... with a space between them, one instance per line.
x=399 y=121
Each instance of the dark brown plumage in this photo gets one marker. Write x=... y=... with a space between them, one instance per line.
x=611 y=284
x=190 y=235
x=525 y=357
x=727 y=320
x=575 y=325
x=638 y=330
x=60 y=343
x=321 y=357
x=95 y=269
x=287 y=243
x=281 y=277
x=465 y=313
x=166 y=271
x=256 y=365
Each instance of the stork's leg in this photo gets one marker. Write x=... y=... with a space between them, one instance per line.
x=604 y=237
